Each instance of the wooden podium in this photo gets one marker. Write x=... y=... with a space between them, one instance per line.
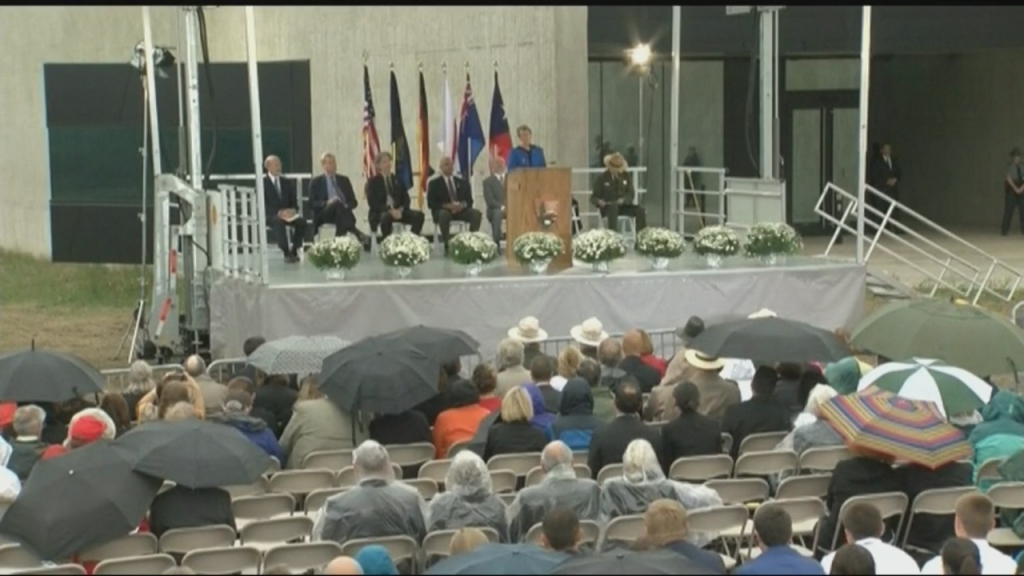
x=529 y=193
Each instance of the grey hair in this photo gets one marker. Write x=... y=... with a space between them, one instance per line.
x=640 y=463
x=819 y=395
x=467 y=475
x=140 y=378
x=555 y=454
x=381 y=156
x=510 y=353
x=28 y=420
x=195 y=366
x=180 y=411
x=371 y=460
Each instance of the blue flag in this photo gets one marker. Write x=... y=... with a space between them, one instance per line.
x=471 y=133
x=399 y=144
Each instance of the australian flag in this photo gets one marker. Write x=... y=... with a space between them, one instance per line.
x=471 y=133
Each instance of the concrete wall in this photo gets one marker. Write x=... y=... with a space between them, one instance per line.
x=952 y=121
x=541 y=54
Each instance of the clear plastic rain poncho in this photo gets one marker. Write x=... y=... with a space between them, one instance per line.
x=377 y=507
x=560 y=487
x=643 y=482
x=468 y=499
x=10 y=486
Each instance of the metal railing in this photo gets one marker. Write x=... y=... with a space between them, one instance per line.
x=241 y=232
x=249 y=180
x=117 y=378
x=953 y=271
x=704 y=188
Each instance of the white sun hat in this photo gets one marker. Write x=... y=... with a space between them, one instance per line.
x=763 y=313
x=528 y=331
x=702 y=361
x=589 y=332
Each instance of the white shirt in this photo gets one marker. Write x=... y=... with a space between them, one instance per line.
x=992 y=561
x=558 y=382
x=888 y=559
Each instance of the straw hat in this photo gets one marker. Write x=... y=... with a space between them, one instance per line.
x=701 y=361
x=528 y=331
x=615 y=161
x=589 y=332
x=763 y=313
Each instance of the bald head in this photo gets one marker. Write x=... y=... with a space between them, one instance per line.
x=632 y=343
x=555 y=454
x=343 y=565
x=272 y=165
x=609 y=352
x=195 y=366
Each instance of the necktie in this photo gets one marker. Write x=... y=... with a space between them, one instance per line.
x=387 y=186
x=277 y=185
x=334 y=187
x=888 y=162
x=451 y=190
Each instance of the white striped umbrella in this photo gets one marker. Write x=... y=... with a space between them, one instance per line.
x=953 y=389
x=295 y=354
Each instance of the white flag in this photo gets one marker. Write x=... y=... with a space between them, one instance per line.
x=449 y=130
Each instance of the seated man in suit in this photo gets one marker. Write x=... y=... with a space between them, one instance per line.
x=450 y=198
x=389 y=200
x=494 y=196
x=613 y=194
x=333 y=201
x=282 y=207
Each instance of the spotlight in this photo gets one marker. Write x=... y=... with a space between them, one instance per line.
x=163 y=58
x=640 y=56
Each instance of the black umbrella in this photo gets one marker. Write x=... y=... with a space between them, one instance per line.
x=770 y=339
x=42 y=376
x=500 y=559
x=627 y=562
x=379 y=375
x=194 y=453
x=85 y=498
x=441 y=344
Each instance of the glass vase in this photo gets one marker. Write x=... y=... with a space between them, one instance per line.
x=473 y=270
x=334 y=273
x=659 y=263
x=540 y=266
x=714 y=260
x=601 y=267
x=773 y=259
x=403 y=271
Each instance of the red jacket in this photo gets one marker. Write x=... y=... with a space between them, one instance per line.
x=656 y=363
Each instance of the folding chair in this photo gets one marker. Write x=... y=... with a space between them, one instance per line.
x=622 y=529
x=237 y=560
x=726 y=443
x=938 y=501
x=457 y=447
x=609 y=471
x=251 y=508
x=765 y=463
x=425 y=486
x=437 y=544
x=410 y=454
x=261 y=486
x=989 y=470
x=316 y=499
x=138 y=544
x=149 y=564
x=328 y=459
x=888 y=503
x=729 y=522
x=298 y=483
x=503 y=481
x=823 y=459
x=64 y=569
x=799 y=486
x=590 y=532
x=580 y=457
x=740 y=490
x=1009 y=495
x=763 y=442
x=507 y=498
x=301 y=558
x=520 y=464
x=701 y=468
x=185 y=540
x=275 y=467
x=436 y=470
x=804 y=513
x=263 y=534
x=401 y=548
x=13 y=558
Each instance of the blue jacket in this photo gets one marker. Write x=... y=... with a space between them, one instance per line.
x=781 y=560
x=521 y=158
x=255 y=430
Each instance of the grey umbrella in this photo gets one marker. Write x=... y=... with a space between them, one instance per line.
x=295 y=354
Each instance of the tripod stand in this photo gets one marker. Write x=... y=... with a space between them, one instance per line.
x=137 y=327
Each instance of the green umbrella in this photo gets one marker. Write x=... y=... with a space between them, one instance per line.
x=954 y=390
x=958 y=334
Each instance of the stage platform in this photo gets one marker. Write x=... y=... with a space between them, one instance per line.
x=372 y=299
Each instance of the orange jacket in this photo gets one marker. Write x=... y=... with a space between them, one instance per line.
x=456 y=425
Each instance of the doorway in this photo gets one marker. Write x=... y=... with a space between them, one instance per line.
x=820 y=143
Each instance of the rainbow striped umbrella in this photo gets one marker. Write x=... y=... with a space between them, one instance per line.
x=907 y=430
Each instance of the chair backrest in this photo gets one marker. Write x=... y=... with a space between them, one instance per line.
x=762 y=442
x=521 y=464
x=580 y=457
x=262 y=506
x=765 y=463
x=888 y=503
x=582 y=471
x=328 y=459
x=275 y=466
x=300 y=558
x=609 y=471
x=228 y=560
x=989 y=469
x=1009 y=495
x=809 y=485
x=726 y=442
x=425 y=486
x=410 y=454
x=534 y=476
x=720 y=519
x=315 y=500
x=503 y=481
x=400 y=548
x=507 y=498
x=457 y=447
x=804 y=513
x=590 y=532
x=149 y=564
x=939 y=501
x=436 y=470
x=71 y=569
x=624 y=529
x=438 y=543
x=274 y=530
x=740 y=490
x=701 y=468
x=184 y=540
x=301 y=482
x=138 y=544
x=824 y=459
x=14 y=557
x=261 y=486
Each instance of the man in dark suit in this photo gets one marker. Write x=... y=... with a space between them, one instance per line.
x=608 y=443
x=389 y=200
x=282 y=208
x=451 y=198
x=333 y=201
x=886 y=175
x=762 y=413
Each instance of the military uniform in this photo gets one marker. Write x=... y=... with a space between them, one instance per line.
x=616 y=190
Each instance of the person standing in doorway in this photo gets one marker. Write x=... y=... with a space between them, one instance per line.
x=886 y=176
x=1013 y=192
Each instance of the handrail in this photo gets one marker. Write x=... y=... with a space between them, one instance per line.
x=975 y=287
x=683 y=185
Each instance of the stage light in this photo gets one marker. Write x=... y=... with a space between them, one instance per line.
x=163 y=58
x=640 y=55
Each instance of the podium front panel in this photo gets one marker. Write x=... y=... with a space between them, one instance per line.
x=536 y=200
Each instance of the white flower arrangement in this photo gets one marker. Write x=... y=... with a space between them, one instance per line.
x=537 y=246
x=719 y=241
x=772 y=239
x=660 y=243
x=598 y=245
x=468 y=248
x=338 y=253
x=404 y=250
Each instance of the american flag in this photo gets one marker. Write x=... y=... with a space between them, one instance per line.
x=371 y=143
